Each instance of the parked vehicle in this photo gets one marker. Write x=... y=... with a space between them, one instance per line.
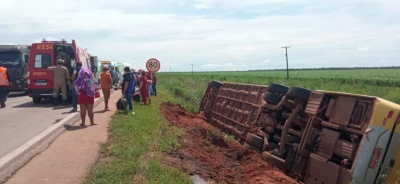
x=95 y=63
x=45 y=54
x=314 y=136
x=15 y=59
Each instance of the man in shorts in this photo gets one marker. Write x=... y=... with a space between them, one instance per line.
x=105 y=84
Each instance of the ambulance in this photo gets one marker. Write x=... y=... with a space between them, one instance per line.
x=45 y=54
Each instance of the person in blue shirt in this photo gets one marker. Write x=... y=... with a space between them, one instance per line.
x=116 y=76
x=128 y=87
x=77 y=68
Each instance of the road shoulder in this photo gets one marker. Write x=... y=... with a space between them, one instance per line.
x=69 y=158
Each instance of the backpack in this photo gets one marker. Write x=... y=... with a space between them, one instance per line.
x=122 y=104
x=136 y=97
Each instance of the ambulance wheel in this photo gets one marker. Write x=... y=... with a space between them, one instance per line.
x=36 y=100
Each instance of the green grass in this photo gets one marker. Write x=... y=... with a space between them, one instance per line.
x=135 y=147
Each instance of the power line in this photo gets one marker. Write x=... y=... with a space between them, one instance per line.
x=287 y=62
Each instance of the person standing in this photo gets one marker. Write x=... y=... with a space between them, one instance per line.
x=116 y=77
x=74 y=93
x=86 y=86
x=105 y=85
x=5 y=83
x=60 y=81
x=143 y=87
x=149 y=83
x=154 y=84
x=128 y=87
x=149 y=86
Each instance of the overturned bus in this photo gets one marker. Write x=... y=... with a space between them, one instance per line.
x=313 y=136
x=15 y=59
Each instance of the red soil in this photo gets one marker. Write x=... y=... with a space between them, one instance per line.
x=206 y=152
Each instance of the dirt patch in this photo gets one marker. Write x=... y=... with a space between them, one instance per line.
x=206 y=152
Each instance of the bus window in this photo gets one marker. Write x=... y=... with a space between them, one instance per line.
x=42 y=60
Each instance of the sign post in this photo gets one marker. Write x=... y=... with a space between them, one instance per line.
x=153 y=65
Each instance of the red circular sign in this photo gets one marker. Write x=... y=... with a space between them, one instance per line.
x=153 y=65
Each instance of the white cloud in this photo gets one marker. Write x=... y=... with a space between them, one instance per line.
x=234 y=32
x=201 y=6
x=362 y=48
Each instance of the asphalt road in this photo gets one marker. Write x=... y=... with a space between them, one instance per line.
x=22 y=120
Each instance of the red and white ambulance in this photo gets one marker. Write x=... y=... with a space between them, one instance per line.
x=45 y=54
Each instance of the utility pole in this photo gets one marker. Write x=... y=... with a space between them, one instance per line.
x=169 y=69
x=287 y=62
x=192 y=69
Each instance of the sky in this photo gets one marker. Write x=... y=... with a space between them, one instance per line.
x=218 y=35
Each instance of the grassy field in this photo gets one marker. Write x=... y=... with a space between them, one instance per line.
x=384 y=83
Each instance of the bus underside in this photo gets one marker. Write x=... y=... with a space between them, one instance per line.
x=313 y=136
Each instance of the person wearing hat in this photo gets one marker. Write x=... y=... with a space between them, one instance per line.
x=61 y=77
x=77 y=68
x=105 y=85
x=5 y=83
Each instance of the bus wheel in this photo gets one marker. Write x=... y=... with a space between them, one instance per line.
x=36 y=100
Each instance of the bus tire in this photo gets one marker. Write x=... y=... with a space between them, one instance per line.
x=251 y=147
x=254 y=140
x=299 y=93
x=272 y=98
x=277 y=88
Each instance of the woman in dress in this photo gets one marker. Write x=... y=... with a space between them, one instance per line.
x=86 y=86
x=143 y=87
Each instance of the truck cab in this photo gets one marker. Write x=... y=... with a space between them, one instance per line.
x=15 y=59
x=44 y=55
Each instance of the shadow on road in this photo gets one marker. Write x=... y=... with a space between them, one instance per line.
x=45 y=103
x=73 y=128
x=62 y=107
x=31 y=104
x=68 y=112
x=100 y=111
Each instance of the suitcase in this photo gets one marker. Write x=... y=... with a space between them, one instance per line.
x=122 y=104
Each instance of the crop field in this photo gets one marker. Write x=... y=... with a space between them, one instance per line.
x=382 y=82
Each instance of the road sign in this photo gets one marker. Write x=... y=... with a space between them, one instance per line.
x=153 y=65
